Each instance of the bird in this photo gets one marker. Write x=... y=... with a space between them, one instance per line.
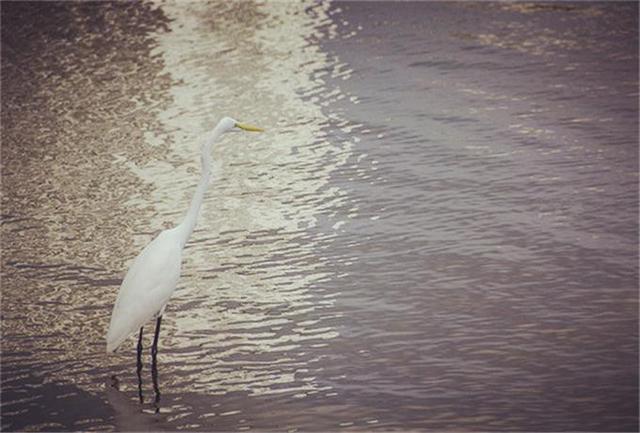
x=154 y=274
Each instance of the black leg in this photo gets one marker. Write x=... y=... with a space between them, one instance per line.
x=139 y=367
x=154 y=364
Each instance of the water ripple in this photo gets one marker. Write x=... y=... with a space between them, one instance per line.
x=439 y=227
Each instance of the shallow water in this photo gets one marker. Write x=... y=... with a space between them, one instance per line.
x=438 y=231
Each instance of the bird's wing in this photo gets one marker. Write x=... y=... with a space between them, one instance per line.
x=146 y=288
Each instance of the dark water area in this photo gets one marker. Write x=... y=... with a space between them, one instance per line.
x=437 y=232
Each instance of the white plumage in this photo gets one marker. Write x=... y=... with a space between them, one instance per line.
x=146 y=288
x=154 y=274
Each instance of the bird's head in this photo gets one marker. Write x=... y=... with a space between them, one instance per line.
x=227 y=124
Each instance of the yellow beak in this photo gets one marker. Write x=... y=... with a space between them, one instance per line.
x=248 y=127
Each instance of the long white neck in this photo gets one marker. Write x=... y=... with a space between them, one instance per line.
x=185 y=228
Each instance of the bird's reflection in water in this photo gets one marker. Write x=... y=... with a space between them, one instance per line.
x=127 y=416
x=115 y=384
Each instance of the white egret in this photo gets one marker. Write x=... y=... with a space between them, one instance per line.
x=152 y=278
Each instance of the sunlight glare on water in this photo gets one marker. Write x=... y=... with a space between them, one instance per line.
x=437 y=231
x=250 y=270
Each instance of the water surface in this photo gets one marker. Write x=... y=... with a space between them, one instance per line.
x=438 y=231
